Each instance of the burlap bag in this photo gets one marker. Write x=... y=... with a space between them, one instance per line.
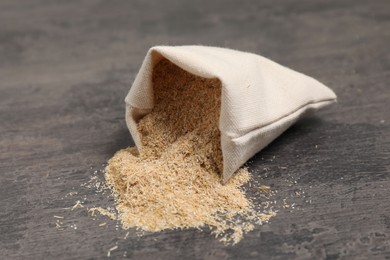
x=260 y=99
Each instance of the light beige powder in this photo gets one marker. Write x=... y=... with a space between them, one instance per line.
x=174 y=181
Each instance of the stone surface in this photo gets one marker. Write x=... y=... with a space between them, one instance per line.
x=66 y=66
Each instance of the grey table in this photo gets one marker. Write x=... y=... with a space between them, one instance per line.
x=66 y=66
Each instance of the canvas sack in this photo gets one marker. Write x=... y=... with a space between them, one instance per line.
x=260 y=99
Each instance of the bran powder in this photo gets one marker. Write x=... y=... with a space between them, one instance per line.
x=174 y=180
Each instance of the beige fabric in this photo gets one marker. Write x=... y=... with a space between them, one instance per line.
x=260 y=98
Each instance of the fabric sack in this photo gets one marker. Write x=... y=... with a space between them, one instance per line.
x=260 y=99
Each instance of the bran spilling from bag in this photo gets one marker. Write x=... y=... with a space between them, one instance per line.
x=174 y=181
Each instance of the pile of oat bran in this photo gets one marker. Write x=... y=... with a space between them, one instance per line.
x=174 y=181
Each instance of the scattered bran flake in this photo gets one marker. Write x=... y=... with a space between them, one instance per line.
x=111 y=249
x=78 y=204
x=174 y=180
x=102 y=211
x=59 y=226
x=264 y=188
x=267 y=216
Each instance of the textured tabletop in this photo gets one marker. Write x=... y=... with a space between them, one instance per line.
x=66 y=66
